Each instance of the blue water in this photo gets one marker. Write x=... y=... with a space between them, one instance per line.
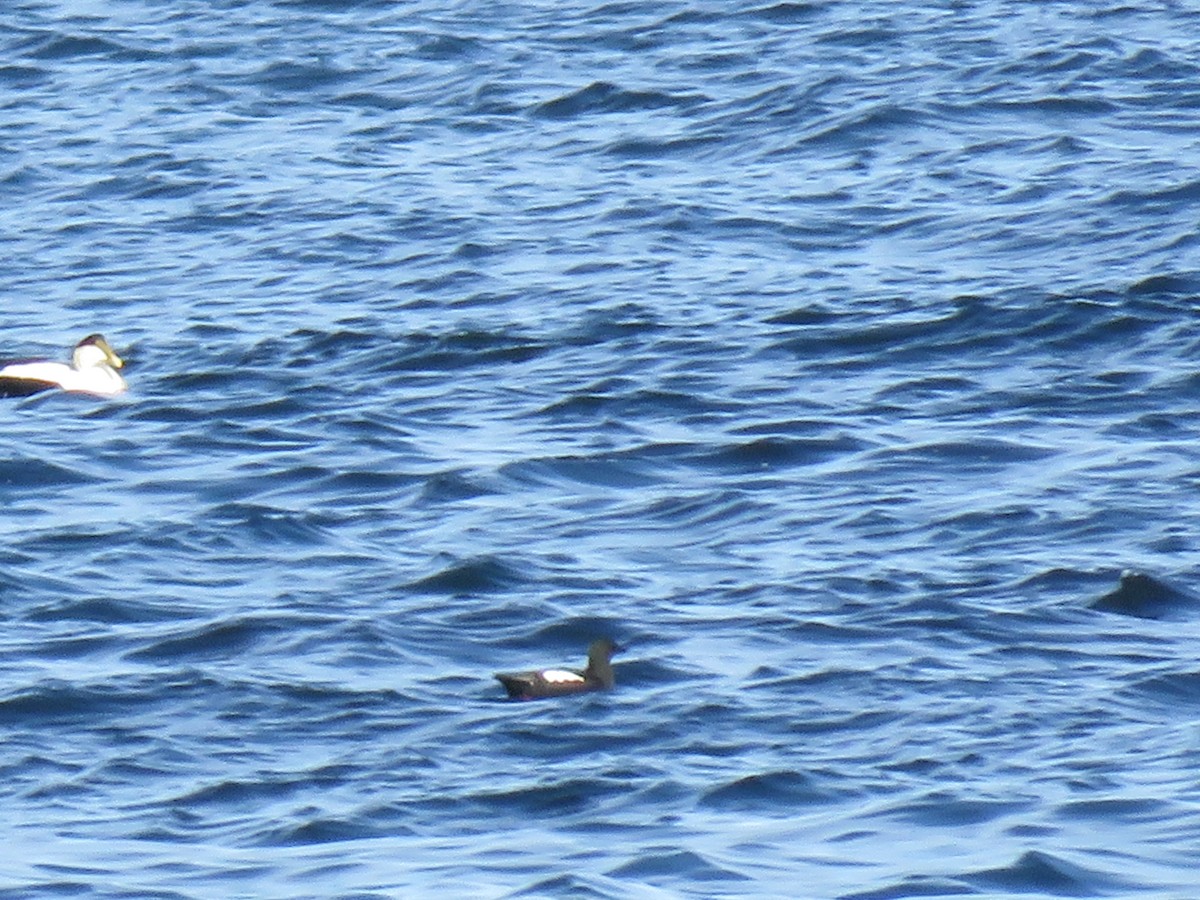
x=835 y=358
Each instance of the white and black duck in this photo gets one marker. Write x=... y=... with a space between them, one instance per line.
x=533 y=685
x=93 y=370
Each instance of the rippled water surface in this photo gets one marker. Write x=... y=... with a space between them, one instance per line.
x=837 y=359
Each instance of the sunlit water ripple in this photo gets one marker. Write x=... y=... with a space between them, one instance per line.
x=837 y=360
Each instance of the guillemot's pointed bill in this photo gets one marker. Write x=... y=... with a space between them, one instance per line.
x=539 y=683
x=93 y=370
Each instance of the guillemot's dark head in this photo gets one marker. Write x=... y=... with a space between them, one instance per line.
x=599 y=666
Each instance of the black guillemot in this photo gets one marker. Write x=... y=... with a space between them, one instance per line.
x=534 y=685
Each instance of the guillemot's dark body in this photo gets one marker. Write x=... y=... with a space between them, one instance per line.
x=539 y=683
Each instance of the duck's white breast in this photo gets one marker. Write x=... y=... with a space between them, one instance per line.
x=53 y=372
x=92 y=380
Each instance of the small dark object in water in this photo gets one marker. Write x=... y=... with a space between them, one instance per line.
x=1144 y=597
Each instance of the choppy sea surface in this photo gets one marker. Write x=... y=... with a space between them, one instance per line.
x=838 y=359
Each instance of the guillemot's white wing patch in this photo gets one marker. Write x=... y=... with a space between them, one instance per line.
x=561 y=676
